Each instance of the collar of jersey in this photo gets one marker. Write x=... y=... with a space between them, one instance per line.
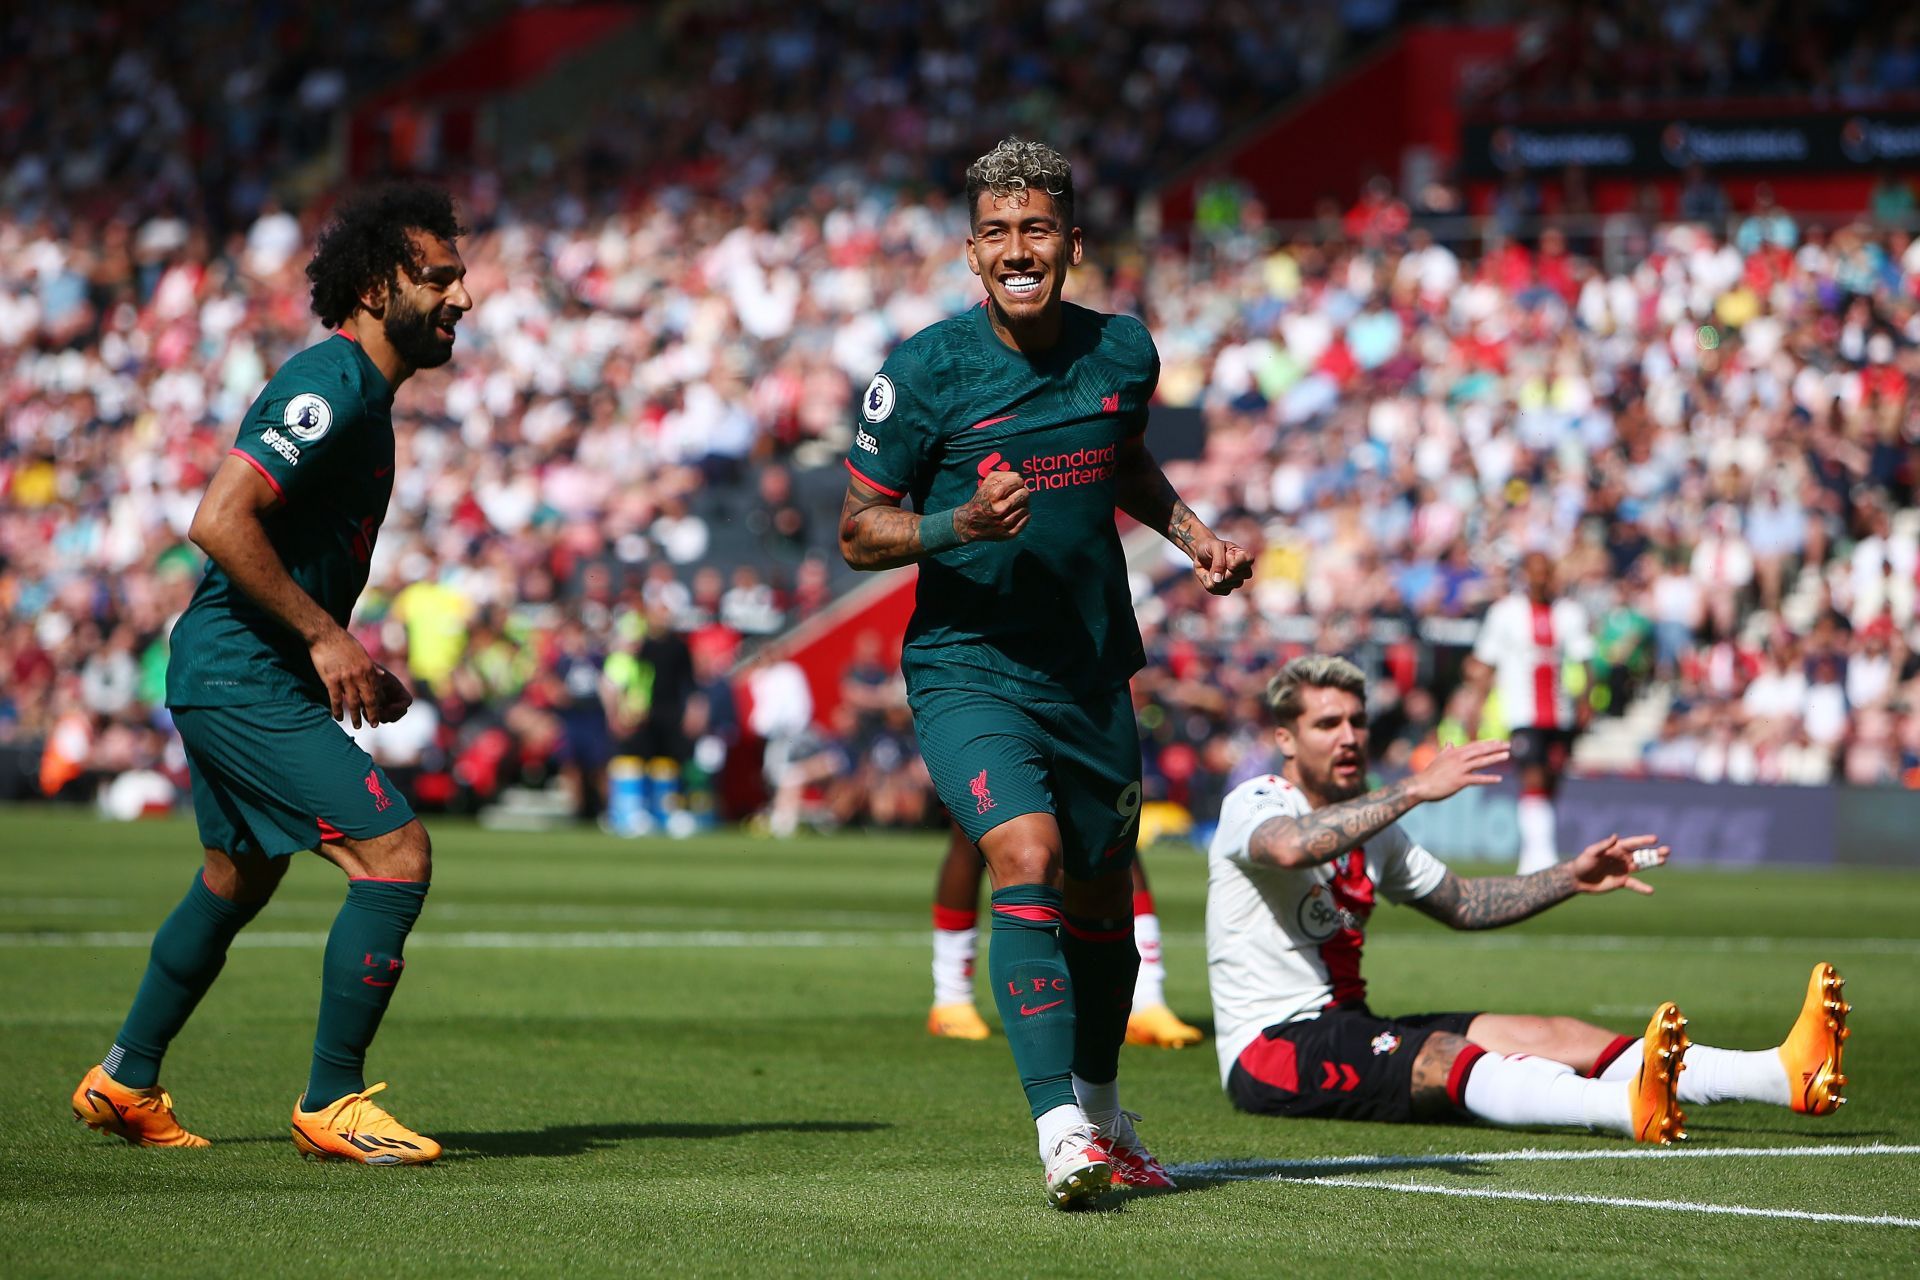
x=381 y=391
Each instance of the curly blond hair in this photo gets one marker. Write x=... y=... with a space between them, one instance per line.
x=1016 y=165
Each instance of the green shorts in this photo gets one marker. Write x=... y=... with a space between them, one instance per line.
x=993 y=758
x=278 y=777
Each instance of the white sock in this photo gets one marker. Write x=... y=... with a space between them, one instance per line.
x=1504 y=1092
x=953 y=953
x=1627 y=1065
x=1718 y=1075
x=1100 y=1102
x=1150 y=987
x=1053 y=1123
x=1537 y=1063
x=1539 y=848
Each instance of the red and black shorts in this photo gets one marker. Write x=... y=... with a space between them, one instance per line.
x=1548 y=747
x=1345 y=1064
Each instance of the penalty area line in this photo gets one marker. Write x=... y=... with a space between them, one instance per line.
x=1618 y=1202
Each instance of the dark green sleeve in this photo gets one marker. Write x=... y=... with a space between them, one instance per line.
x=293 y=435
x=894 y=427
x=1146 y=362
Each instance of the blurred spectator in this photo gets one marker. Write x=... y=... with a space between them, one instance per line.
x=1702 y=199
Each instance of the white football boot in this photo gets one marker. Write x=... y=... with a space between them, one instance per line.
x=1079 y=1171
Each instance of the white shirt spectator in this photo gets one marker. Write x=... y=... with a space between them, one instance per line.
x=1722 y=560
x=402 y=743
x=1826 y=715
x=782 y=701
x=683 y=538
x=1869 y=676
x=1776 y=694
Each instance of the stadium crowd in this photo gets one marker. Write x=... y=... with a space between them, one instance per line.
x=1854 y=53
x=601 y=504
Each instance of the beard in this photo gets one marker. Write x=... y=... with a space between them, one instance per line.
x=1327 y=785
x=415 y=335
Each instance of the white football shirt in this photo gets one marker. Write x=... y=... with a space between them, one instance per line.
x=1284 y=944
x=1527 y=645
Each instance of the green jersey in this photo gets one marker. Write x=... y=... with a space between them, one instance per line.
x=1048 y=614
x=322 y=435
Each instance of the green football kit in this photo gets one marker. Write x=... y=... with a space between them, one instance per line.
x=272 y=771
x=1019 y=653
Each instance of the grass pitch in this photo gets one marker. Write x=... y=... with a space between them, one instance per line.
x=708 y=1058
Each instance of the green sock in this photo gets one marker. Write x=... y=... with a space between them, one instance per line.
x=1031 y=988
x=1103 y=960
x=188 y=953
x=362 y=966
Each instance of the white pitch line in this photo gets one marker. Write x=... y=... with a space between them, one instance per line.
x=1288 y=1170
x=1629 y=942
x=61 y=906
x=1622 y=1202
x=660 y=940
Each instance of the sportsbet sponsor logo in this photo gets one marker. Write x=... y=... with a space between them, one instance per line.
x=1059 y=470
x=281 y=445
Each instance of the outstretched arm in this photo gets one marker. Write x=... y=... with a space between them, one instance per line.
x=1142 y=490
x=1329 y=831
x=1326 y=833
x=1493 y=901
x=876 y=534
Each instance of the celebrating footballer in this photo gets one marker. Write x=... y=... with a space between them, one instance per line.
x=1017 y=429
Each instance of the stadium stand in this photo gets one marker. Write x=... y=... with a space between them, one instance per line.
x=1706 y=416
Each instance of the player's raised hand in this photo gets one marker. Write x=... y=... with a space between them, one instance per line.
x=351 y=677
x=394 y=696
x=1457 y=768
x=1220 y=566
x=1606 y=865
x=998 y=510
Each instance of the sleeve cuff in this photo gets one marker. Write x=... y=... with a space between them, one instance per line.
x=867 y=480
x=261 y=467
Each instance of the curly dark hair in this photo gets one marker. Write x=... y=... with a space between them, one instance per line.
x=366 y=242
x=1017 y=165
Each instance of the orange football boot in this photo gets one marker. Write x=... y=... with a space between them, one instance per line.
x=144 y=1117
x=957 y=1022
x=353 y=1128
x=1159 y=1027
x=1812 y=1050
x=1656 y=1088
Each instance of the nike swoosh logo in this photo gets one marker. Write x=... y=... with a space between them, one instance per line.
x=1005 y=417
x=384 y=471
x=370 y=982
x=1041 y=1008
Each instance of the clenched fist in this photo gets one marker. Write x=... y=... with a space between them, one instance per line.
x=998 y=510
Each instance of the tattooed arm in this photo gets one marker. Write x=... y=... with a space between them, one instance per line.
x=1493 y=901
x=1141 y=489
x=1323 y=834
x=876 y=534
